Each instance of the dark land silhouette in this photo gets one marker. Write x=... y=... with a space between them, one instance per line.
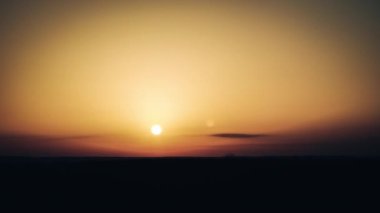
x=149 y=182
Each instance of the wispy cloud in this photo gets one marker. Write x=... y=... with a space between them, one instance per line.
x=236 y=135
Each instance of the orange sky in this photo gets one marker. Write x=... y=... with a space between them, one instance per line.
x=195 y=68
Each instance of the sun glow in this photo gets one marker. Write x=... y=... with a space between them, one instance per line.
x=156 y=130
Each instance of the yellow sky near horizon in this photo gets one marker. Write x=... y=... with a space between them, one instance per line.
x=122 y=69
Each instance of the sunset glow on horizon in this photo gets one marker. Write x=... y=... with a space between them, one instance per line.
x=114 y=69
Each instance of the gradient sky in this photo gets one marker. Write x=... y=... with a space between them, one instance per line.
x=91 y=77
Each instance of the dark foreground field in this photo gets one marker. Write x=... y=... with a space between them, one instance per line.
x=148 y=182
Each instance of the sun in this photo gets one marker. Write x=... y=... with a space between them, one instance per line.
x=156 y=130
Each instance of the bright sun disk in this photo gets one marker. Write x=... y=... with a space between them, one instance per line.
x=156 y=129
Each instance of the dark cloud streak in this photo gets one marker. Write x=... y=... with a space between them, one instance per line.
x=236 y=135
